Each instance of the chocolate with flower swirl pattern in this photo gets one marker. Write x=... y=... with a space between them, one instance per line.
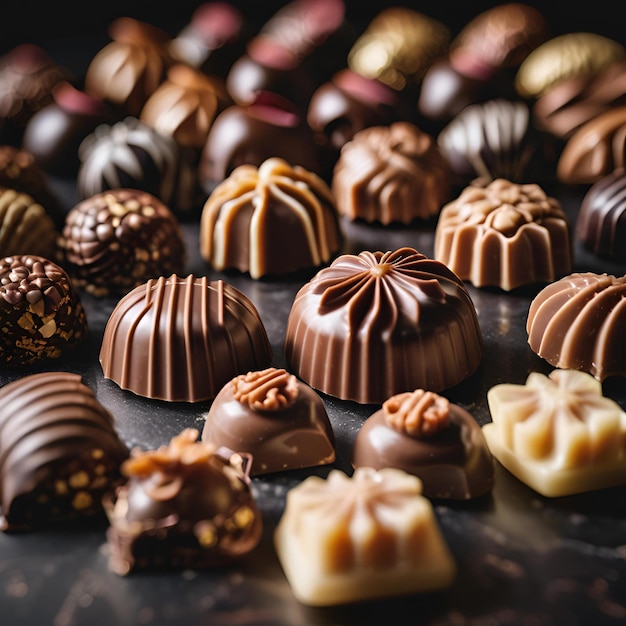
x=379 y=323
x=280 y=421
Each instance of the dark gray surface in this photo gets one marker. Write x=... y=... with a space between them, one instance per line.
x=522 y=558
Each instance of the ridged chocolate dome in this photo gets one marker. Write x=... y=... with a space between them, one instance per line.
x=182 y=339
x=578 y=323
x=376 y=324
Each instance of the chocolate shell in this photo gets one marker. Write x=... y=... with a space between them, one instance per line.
x=388 y=174
x=182 y=339
x=601 y=218
x=185 y=505
x=596 y=149
x=577 y=323
x=504 y=235
x=118 y=239
x=59 y=452
x=41 y=314
x=274 y=219
x=356 y=324
x=422 y=433
x=274 y=417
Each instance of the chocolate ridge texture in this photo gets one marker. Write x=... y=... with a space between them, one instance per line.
x=422 y=433
x=182 y=339
x=577 y=323
x=558 y=433
x=504 y=235
x=276 y=418
x=379 y=323
x=271 y=219
x=59 y=451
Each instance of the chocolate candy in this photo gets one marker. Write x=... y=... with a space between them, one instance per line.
x=372 y=535
x=273 y=416
x=274 y=219
x=26 y=227
x=28 y=76
x=422 y=433
x=184 y=106
x=59 y=452
x=118 y=239
x=496 y=139
x=55 y=132
x=347 y=103
x=577 y=323
x=41 y=314
x=131 y=154
x=355 y=325
x=213 y=39
x=392 y=173
x=504 y=235
x=398 y=46
x=565 y=56
x=601 y=218
x=249 y=135
x=182 y=339
x=558 y=433
x=596 y=149
x=185 y=505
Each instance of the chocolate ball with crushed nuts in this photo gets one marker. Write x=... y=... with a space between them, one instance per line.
x=118 y=239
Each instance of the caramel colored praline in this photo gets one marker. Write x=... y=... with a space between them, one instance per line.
x=354 y=327
x=422 y=433
x=577 y=323
x=558 y=434
x=185 y=505
x=505 y=235
x=270 y=220
x=372 y=535
x=59 y=452
x=274 y=417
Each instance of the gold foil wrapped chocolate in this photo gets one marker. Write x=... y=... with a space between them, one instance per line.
x=398 y=46
x=562 y=57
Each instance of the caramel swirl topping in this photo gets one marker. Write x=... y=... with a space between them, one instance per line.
x=418 y=413
x=271 y=389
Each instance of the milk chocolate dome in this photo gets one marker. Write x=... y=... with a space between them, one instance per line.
x=375 y=324
x=182 y=339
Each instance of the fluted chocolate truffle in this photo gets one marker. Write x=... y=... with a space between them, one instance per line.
x=185 y=505
x=28 y=76
x=41 y=314
x=131 y=154
x=504 y=235
x=249 y=135
x=354 y=327
x=118 y=239
x=182 y=339
x=596 y=149
x=496 y=139
x=577 y=323
x=393 y=173
x=59 y=452
x=424 y=434
x=601 y=218
x=273 y=416
x=274 y=219
x=54 y=133
x=26 y=227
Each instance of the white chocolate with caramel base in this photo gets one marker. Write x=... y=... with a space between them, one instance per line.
x=348 y=539
x=558 y=434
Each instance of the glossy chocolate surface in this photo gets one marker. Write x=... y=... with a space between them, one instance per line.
x=181 y=339
x=293 y=433
x=59 y=452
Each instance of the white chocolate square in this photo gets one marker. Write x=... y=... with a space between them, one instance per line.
x=372 y=535
x=558 y=433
